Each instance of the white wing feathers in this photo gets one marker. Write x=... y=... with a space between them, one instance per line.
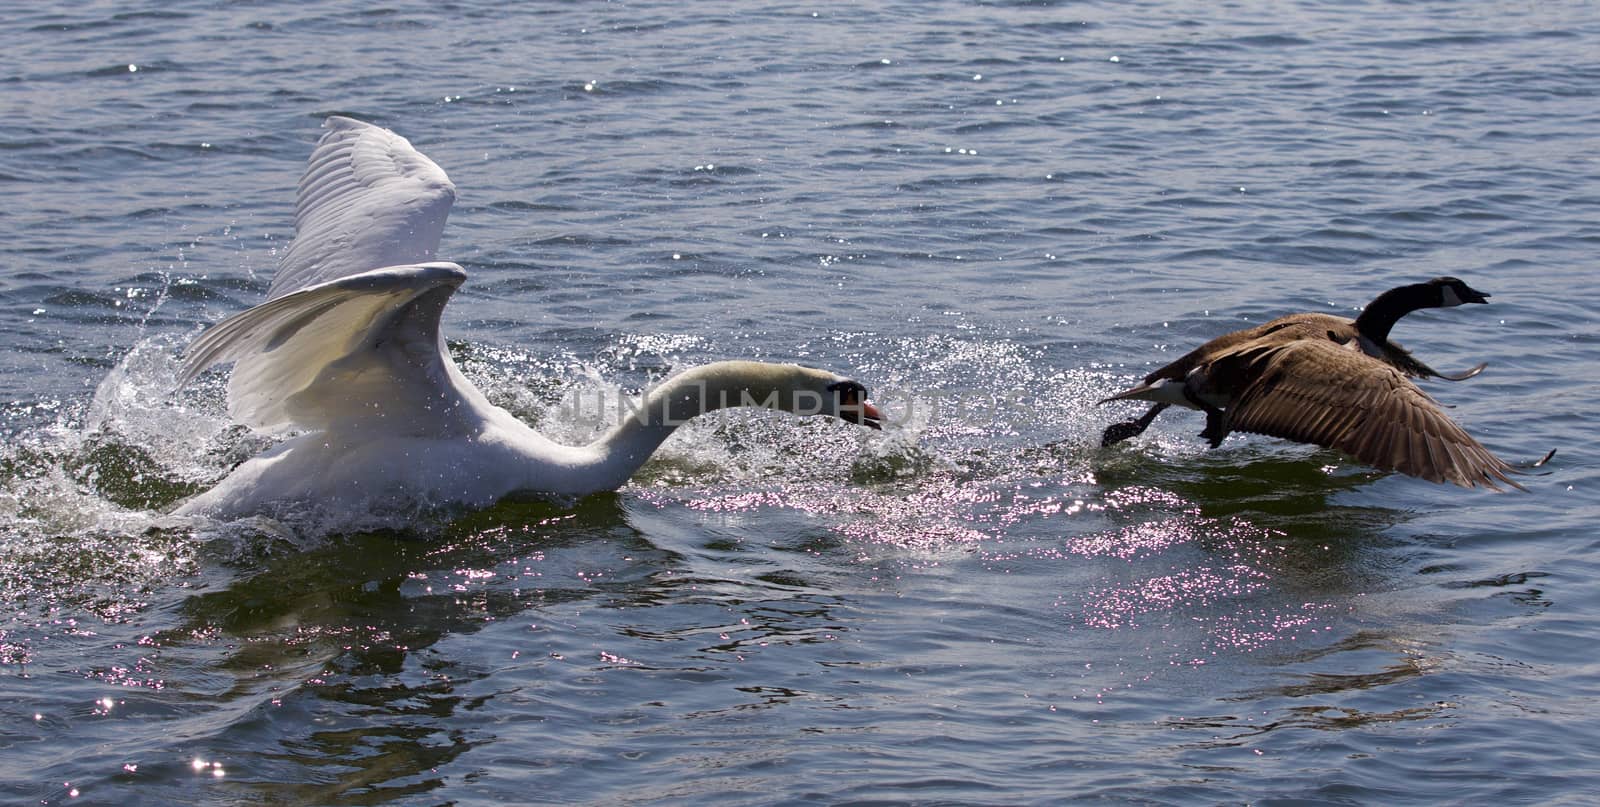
x=360 y=348
x=350 y=332
x=367 y=200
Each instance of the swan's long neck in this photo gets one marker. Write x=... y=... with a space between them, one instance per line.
x=650 y=420
x=1380 y=315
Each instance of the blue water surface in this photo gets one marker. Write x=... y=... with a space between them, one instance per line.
x=992 y=213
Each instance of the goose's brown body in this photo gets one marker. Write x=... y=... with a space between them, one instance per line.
x=1315 y=327
x=1331 y=381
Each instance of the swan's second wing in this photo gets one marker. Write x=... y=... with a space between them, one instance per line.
x=359 y=350
x=1319 y=392
x=367 y=200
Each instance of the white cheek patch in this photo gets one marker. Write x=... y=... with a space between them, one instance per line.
x=1450 y=297
x=1366 y=346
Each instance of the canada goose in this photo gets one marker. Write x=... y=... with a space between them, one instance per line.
x=1332 y=381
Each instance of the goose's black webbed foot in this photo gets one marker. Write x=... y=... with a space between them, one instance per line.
x=1117 y=432
x=1217 y=428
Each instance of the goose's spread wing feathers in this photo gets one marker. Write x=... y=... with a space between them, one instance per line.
x=365 y=347
x=1319 y=392
x=367 y=200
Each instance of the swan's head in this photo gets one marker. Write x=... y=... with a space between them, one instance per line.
x=807 y=391
x=848 y=401
x=803 y=391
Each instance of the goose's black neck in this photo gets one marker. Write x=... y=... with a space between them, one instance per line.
x=1381 y=314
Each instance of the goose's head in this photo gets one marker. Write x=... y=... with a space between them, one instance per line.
x=1453 y=292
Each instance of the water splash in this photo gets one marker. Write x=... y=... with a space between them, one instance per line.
x=961 y=476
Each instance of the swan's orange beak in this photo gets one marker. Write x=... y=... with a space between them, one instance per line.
x=852 y=404
x=868 y=415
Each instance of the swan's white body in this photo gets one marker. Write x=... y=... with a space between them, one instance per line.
x=347 y=349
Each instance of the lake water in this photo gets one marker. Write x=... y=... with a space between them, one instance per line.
x=991 y=213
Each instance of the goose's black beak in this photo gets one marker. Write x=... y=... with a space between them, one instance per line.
x=1473 y=295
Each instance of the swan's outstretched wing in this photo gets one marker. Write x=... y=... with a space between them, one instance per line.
x=1318 y=392
x=367 y=200
x=359 y=349
x=349 y=335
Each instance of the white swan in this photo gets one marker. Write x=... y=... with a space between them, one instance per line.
x=347 y=349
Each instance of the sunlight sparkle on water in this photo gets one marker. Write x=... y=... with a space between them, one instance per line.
x=1250 y=630
x=1140 y=539
x=921 y=519
x=201 y=766
x=1120 y=606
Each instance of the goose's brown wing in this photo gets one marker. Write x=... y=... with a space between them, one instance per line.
x=1338 y=330
x=1316 y=391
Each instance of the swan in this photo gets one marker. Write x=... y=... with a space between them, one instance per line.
x=1331 y=381
x=347 y=351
